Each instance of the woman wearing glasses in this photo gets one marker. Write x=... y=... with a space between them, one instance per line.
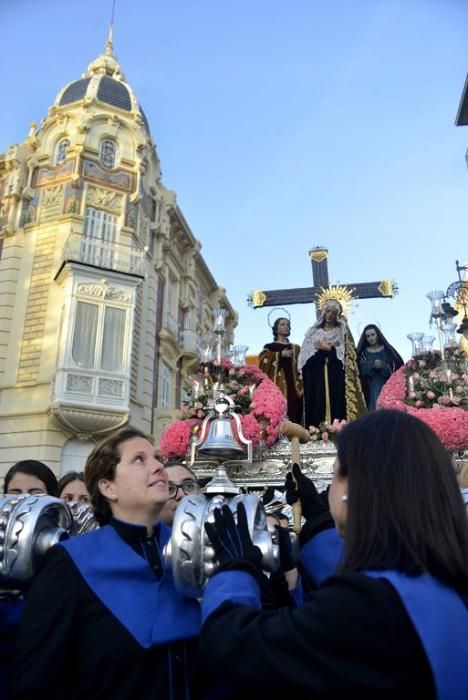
x=181 y=482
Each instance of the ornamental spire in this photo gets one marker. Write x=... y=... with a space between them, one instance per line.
x=109 y=43
x=107 y=62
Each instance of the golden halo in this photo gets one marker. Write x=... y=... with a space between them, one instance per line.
x=336 y=293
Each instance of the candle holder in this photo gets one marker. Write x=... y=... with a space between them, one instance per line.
x=416 y=342
x=427 y=342
x=238 y=355
x=435 y=297
x=219 y=329
x=448 y=329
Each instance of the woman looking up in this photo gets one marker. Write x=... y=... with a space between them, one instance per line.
x=103 y=618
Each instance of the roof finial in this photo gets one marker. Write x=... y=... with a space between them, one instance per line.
x=109 y=42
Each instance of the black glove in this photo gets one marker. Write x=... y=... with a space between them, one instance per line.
x=314 y=510
x=287 y=561
x=305 y=490
x=232 y=543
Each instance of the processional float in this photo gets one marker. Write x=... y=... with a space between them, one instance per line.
x=31 y=524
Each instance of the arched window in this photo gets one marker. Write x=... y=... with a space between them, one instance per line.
x=108 y=153
x=61 y=151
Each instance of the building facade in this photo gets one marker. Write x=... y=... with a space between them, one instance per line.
x=105 y=296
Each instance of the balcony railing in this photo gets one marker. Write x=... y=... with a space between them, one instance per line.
x=104 y=254
x=188 y=340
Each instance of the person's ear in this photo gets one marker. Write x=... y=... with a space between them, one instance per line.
x=107 y=489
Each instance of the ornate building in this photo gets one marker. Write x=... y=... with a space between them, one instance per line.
x=105 y=294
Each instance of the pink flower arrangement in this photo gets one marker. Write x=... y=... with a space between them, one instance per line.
x=437 y=406
x=261 y=409
x=176 y=438
x=326 y=431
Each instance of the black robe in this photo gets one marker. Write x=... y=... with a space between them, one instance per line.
x=313 y=375
x=71 y=646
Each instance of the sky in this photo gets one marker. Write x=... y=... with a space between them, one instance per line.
x=282 y=126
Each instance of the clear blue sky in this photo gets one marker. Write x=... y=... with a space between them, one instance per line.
x=282 y=126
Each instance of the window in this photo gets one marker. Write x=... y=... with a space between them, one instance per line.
x=165 y=387
x=108 y=153
x=61 y=151
x=99 y=235
x=74 y=455
x=171 y=304
x=99 y=337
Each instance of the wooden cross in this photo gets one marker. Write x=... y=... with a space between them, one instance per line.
x=308 y=295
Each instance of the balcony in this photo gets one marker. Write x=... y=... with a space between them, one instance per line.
x=90 y=401
x=107 y=255
x=188 y=341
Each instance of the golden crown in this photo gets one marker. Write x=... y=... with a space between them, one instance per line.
x=342 y=295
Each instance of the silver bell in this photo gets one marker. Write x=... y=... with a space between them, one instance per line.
x=220 y=442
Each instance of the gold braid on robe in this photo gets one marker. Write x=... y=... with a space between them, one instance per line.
x=355 y=402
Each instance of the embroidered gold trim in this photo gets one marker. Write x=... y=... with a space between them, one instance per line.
x=327 y=392
x=355 y=401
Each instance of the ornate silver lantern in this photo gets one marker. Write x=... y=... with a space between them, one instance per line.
x=29 y=526
x=189 y=551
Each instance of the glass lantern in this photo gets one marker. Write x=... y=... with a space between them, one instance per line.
x=448 y=329
x=238 y=355
x=435 y=297
x=219 y=316
x=206 y=350
x=427 y=342
x=416 y=342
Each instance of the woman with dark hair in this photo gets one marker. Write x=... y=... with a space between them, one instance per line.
x=72 y=488
x=182 y=481
x=279 y=362
x=377 y=361
x=30 y=476
x=391 y=621
x=327 y=360
x=103 y=618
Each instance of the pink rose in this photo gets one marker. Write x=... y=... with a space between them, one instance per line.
x=430 y=394
x=419 y=404
x=325 y=436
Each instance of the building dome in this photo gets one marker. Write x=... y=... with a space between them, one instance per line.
x=104 y=81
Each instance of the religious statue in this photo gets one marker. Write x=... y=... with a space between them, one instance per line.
x=377 y=361
x=279 y=362
x=328 y=362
